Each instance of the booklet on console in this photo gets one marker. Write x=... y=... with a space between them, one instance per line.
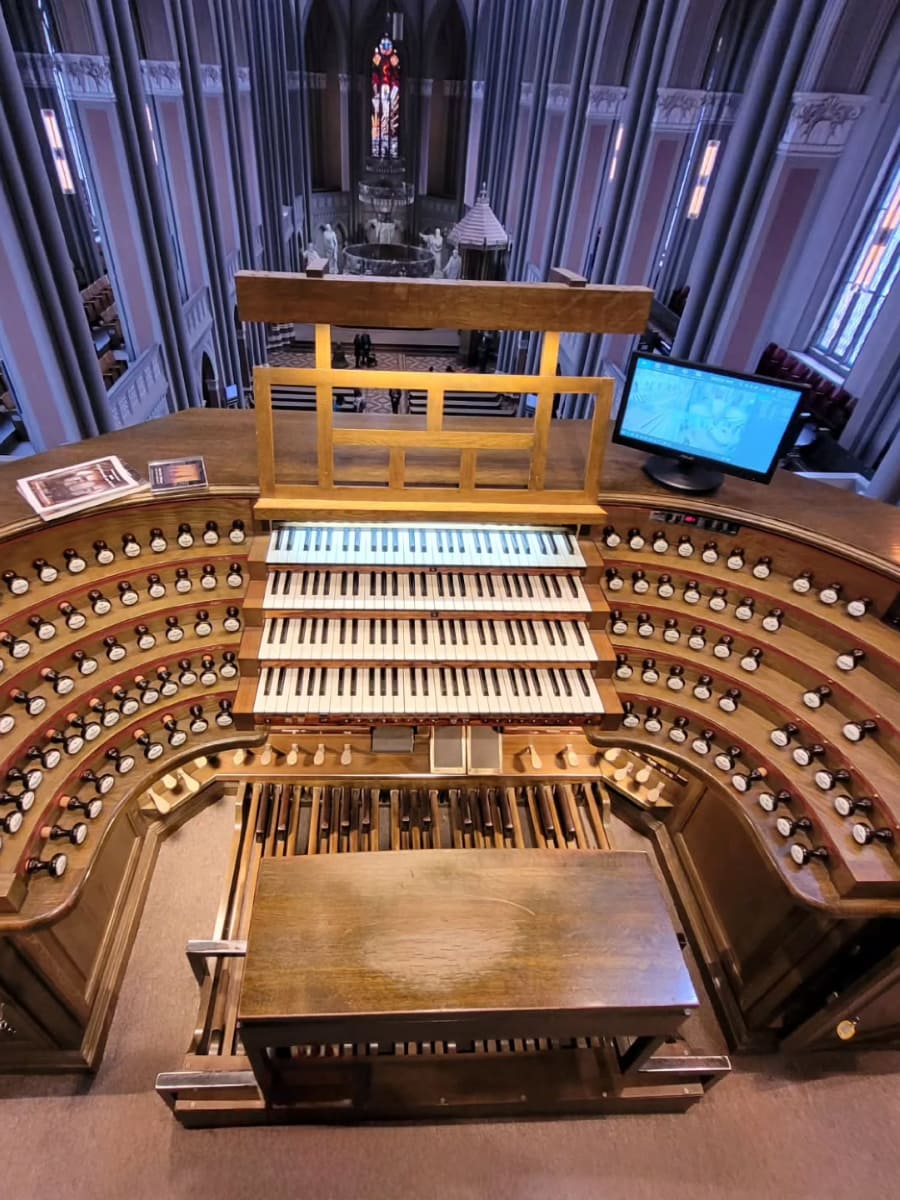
x=84 y=485
x=178 y=474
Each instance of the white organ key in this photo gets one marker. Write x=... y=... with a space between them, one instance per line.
x=368 y=692
x=343 y=635
x=435 y=545
x=449 y=591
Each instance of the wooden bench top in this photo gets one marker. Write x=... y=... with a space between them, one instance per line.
x=573 y=944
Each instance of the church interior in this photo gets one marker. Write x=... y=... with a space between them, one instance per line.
x=410 y=787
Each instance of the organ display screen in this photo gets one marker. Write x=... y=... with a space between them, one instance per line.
x=696 y=417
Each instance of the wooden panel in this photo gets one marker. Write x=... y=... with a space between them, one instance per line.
x=424 y=439
x=435 y=304
x=747 y=899
x=483 y=445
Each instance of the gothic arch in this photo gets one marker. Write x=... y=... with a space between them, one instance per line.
x=325 y=38
x=209 y=386
x=445 y=42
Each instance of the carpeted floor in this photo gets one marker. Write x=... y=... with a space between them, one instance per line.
x=822 y=1128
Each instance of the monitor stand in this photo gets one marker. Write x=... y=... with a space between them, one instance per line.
x=683 y=474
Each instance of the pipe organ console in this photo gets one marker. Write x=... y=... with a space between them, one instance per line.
x=722 y=679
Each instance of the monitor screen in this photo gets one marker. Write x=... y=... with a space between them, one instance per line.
x=738 y=423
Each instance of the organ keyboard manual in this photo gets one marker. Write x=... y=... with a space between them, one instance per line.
x=501 y=632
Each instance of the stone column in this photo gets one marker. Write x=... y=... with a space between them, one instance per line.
x=257 y=24
x=426 y=86
x=508 y=32
x=476 y=113
x=614 y=206
x=592 y=28
x=344 y=85
x=519 y=223
x=30 y=203
x=125 y=70
x=743 y=172
x=188 y=51
x=224 y=18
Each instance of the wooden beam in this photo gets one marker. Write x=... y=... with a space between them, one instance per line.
x=544 y=408
x=440 y=304
x=265 y=433
x=426 y=382
x=324 y=407
x=427 y=439
x=564 y=275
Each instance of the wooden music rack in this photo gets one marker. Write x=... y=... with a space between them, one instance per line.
x=408 y=303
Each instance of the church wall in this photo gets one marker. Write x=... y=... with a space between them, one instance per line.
x=754 y=295
x=249 y=143
x=544 y=217
x=651 y=208
x=331 y=131
x=29 y=362
x=438 y=131
x=218 y=143
x=170 y=118
x=127 y=261
x=691 y=52
x=519 y=167
x=590 y=182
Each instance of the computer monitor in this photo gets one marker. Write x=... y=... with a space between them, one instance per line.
x=703 y=421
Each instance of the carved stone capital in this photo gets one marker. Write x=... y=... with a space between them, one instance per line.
x=88 y=76
x=35 y=70
x=161 y=78
x=211 y=78
x=680 y=110
x=820 y=123
x=558 y=97
x=605 y=103
x=85 y=76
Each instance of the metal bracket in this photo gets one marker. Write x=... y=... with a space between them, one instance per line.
x=199 y=952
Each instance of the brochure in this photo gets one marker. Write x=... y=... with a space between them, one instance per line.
x=71 y=489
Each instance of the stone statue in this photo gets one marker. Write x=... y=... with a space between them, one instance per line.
x=435 y=243
x=313 y=260
x=329 y=237
x=453 y=269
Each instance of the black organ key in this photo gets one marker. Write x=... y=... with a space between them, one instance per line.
x=545 y=808
x=487 y=813
x=506 y=812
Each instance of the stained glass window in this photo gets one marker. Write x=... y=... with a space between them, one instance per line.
x=385 y=100
x=874 y=268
